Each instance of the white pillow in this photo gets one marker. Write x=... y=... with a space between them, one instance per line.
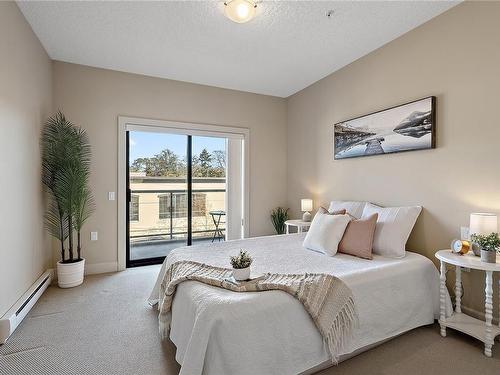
x=394 y=225
x=325 y=233
x=352 y=208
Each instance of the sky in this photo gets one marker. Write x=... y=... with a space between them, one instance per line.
x=147 y=144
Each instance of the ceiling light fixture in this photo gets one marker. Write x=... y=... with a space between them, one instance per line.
x=240 y=11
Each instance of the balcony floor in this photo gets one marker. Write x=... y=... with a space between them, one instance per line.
x=153 y=249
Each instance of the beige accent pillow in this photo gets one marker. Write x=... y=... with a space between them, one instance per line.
x=358 y=237
x=325 y=233
x=353 y=208
x=323 y=210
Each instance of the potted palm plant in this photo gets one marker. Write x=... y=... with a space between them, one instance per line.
x=489 y=245
x=66 y=158
x=278 y=216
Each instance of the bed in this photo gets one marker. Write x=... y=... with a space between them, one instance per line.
x=217 y=331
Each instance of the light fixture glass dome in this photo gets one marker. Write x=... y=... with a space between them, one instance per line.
x=240 y=11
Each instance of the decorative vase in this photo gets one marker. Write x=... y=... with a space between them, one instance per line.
x=70 y=274
x=241 y=274
x=488 y=256
x=476 y=249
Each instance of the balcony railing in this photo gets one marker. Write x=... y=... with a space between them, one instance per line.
x=161 y=215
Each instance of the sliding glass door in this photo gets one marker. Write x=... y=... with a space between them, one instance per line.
x=177 y=193
x=208 y=189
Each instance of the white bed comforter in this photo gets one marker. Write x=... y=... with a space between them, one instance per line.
x=217 y=331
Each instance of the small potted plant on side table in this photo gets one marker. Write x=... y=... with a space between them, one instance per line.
x=489 y=245
x=241 y=265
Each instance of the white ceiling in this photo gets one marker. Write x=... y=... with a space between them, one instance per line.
x=288 y=46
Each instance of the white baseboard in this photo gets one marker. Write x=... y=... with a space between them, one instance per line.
x=52 y=272
x=95 y=268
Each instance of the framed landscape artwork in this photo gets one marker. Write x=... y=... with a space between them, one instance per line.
x=407 y=127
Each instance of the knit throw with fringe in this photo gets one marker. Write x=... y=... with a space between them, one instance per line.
x=326 y=298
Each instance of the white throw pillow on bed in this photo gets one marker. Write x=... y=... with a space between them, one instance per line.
x=394 y=225
x=325 y=233
x=352 y=208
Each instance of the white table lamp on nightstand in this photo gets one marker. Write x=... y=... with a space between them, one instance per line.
x=483 y=223
x=306 y=205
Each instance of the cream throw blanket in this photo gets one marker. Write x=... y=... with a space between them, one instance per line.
x=326 y=298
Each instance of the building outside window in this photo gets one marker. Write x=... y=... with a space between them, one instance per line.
x=199 y=204
x=179 y=205
x=134 y=208
x=164 y=206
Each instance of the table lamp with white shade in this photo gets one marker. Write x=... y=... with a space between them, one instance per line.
x=306 y=205
x=483 y=223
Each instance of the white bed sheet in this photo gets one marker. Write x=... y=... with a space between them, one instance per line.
x=217 y=331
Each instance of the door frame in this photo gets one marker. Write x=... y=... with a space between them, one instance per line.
x=126 y=123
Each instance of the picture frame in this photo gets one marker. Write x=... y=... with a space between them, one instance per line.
x=406 y=127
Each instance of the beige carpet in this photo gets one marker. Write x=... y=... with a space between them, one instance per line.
x=106 y=327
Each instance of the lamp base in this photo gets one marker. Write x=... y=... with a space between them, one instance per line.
x=306 y=216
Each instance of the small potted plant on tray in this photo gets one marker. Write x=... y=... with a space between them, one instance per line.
x=489 y=245
x=241 y=265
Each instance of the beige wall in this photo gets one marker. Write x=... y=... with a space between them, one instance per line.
x=94 y=98
x=454 y=57
x=25 y=101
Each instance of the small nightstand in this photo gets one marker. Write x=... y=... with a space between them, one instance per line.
x=297 y=223
x=484 y=331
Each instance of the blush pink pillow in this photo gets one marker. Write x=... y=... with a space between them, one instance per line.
x=358 y=237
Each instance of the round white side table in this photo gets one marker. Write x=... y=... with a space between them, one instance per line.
x=484 y=331
x=299 y=224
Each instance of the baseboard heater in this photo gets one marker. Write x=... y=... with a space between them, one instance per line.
x=14 y=317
